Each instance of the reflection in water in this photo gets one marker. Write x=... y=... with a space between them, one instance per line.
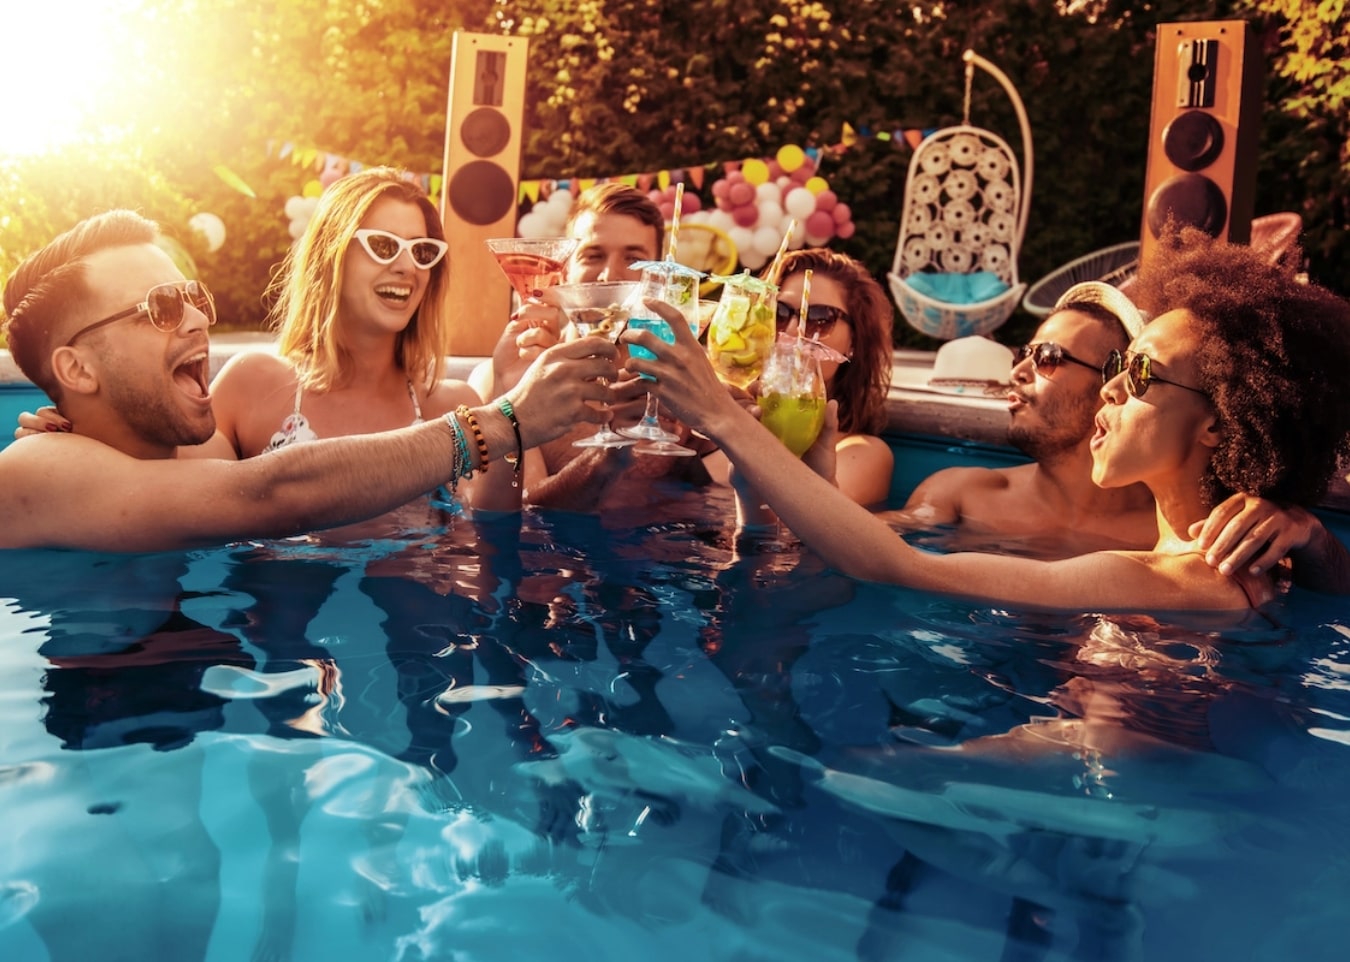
x=553 y=737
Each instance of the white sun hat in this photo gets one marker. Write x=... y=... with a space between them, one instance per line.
x=976 y=366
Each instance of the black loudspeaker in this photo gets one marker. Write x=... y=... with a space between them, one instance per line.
x=482 y=174
x=1207 y=86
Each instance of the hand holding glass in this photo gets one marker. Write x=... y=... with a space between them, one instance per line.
x=792 y=394
x=600 y=309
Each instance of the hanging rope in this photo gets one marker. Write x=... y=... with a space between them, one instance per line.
x=970 y=76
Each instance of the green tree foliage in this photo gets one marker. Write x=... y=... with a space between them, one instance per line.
x=621 y=86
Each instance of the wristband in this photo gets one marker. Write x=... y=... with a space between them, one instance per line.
x=505 y=406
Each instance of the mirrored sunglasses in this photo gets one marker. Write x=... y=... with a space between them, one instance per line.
x=385 y=248
x=820 y=318
x=1139 y=374
x=1047 y=356
x=163 y=304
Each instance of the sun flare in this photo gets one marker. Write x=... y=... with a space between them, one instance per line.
x=61 y=63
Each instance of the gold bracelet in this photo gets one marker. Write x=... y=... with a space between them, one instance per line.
x=468 y=417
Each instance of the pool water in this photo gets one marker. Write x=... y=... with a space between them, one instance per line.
x=556 y=738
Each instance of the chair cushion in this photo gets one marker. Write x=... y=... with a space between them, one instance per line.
x=958 y=288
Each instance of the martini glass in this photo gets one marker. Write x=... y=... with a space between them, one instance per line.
x=598 y=308
x=532 y=264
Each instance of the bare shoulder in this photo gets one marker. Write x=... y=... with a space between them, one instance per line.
x=1155 y=581
x=250 y=372
x=448 y=394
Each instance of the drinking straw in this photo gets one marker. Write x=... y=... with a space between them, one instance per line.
x=805 y=306
x=776 y=267
x=675 y=221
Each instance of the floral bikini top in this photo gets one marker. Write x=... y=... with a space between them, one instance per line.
x=295 y=427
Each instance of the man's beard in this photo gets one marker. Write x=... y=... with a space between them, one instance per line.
x=1053 y=435
x=154 y=418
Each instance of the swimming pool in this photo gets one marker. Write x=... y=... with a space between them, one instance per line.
x=552 y=738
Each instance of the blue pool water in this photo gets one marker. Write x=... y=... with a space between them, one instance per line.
x=552 y=738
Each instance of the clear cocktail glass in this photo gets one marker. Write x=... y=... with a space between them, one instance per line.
x=600 y=309
x=677 y=285
x=792 y=392
x=741 y=335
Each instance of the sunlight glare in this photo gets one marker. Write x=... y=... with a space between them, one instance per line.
x=60 y=63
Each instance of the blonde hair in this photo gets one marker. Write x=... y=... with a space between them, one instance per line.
x=308 y=287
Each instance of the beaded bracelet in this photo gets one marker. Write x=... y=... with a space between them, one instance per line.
x=459 y=461
x=505 y=406
x=464 y=414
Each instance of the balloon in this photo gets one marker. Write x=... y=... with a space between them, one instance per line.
x=814 y=240
x=816 y=184
x=826 y=200
x=738 y=195
x=742 y=237
x=667 y=210
x=294 y=206
x=767 y=240
x=312 y=188
x=770 y=215
x=745 y=216
x=841 y=213
x=768 y=192
x=820 y=224
x=799 y=202
x=752 y=258
x=210 y=227
x=296 y=228
x=755 y=171
x=532 y=225
x=719 y=189
x=790 y=157
x=691 y=203
x=845 y=230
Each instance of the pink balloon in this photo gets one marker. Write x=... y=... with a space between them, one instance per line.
x=845 y=230
x=746 y=216
x=826 y=200
x=741 y=194
x=667 y=209
x=841 y=213
x=775 y=170
x=691 y=203
x=719 y=188
x=802 y=174
x=819 y=224
x=735 y=177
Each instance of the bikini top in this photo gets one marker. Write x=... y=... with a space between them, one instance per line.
x=295 y=427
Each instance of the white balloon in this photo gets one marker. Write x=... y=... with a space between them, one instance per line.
x=721 y=219
x=800 y=203
x=297 y=227
x=753 y=259
x=767 y=240
x=294 y=206
x=768 y=191
x=532 y=225
x=209 y=226
x=798 y=238
x=743 y=238
x=816 y=241
x=771 y=215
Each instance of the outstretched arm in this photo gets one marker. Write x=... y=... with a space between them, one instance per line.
x=65 y=490
x=853 y=540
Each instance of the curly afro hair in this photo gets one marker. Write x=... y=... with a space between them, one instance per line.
x=1274 y=357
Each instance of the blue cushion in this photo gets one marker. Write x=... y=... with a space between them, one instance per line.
x=958 y=288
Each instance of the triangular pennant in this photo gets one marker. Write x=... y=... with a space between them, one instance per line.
x=629 y=179
x=644 y=182
x=529 y=189
x=913 y=137
x=696 y=177
x=663 y=179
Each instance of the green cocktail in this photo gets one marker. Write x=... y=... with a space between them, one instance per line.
x=743 y=328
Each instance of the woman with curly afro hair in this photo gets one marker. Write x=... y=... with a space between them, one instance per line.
x=1234 y=387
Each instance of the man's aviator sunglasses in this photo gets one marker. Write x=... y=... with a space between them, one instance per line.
x=385 y=248
x=164 y=305
x=820 y=318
